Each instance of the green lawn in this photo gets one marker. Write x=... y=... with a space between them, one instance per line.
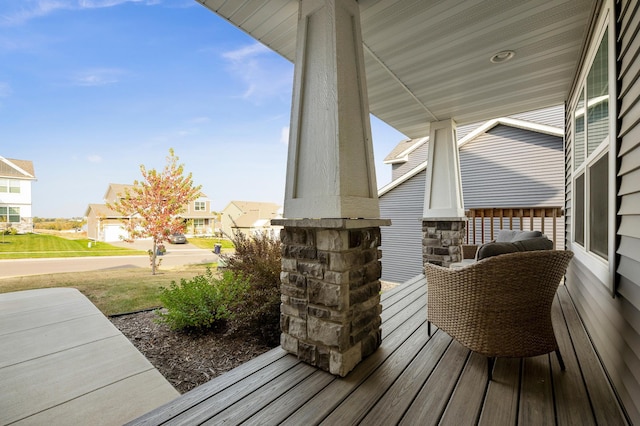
x=46 y=246
x=113 y=291
x=208 y=243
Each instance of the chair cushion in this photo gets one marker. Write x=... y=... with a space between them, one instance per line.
x=539 y=243
x=509 y=235
x=497 y=248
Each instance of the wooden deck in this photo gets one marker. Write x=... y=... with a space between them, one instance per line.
x=411 y=379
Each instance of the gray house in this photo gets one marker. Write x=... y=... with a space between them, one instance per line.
x=514 y=162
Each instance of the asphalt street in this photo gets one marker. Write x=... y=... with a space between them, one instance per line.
x=176 y=255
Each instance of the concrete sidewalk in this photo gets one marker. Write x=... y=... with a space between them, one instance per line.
x=63 y=363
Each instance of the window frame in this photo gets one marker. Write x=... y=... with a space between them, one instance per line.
x=602 y=268
x=197 y=203
x=6 y=213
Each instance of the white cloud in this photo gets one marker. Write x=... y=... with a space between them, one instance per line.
x=97 y=77
x=262 y=76
x=25 y=10
x=94 y=158
x=284 y=135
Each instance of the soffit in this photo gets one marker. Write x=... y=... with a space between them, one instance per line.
x=429 y=60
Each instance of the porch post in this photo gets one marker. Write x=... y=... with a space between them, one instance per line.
x=330 y=312
x=444 y=221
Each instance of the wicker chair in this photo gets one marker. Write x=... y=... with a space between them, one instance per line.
x=499 y=306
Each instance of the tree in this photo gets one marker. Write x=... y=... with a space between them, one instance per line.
x=153 y=206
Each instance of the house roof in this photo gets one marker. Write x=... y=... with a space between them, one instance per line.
x=119 y=188
x=253 y=212
x=266 y=210
x=400 y=153
x=484 y=128
x=430 y=61
x=102 y=210
x=12 y=168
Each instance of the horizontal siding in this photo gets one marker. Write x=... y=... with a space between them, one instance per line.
x=629 y=212
x=614 y=323
x=510 y=167
x=402 y=241
x=418 y=156
x=552 y=116
x=495 y=173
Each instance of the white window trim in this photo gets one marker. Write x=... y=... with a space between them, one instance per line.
x=603 y=269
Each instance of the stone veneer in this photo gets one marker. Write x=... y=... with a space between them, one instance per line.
x=442 y=240
x=330 y=285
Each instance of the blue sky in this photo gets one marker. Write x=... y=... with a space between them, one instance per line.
x=92 y=89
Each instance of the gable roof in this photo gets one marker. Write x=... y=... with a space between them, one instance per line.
x=102 y=210
x=400 y=153
x=505 y=121
x=266 y=210
x=12 y=168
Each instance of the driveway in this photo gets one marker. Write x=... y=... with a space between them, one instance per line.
x=176 y=255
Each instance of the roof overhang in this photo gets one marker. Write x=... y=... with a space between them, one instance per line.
x=430 y=61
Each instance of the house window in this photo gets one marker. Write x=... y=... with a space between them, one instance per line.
x=10 y=186
x=200 y=206
x=10 y=214
x=198 y=225
x=592 y=138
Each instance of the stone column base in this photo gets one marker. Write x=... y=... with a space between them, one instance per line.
x=330 y=285
x=442 y=240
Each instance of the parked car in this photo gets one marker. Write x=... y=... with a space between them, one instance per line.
x=177 y=239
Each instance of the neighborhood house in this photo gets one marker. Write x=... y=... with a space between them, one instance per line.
x=512 y=164
x=16 y=177
x=250 y=217
x=105 y=224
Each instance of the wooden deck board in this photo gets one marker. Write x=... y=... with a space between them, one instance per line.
x=569 y=390
x=427 y=408
x=598 y=388
x=536 y=392
x=391 y=407
x=501 y=403
x=411 y=379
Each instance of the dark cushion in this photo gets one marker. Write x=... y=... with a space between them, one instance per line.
x=495 y=249
x=540 y=243
x=510 y=235
x=526 y=235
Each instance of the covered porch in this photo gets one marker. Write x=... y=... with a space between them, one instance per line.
x=425 y=67
x=411 y=379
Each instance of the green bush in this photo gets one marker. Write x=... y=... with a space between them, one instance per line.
x=201 y=303
x=258 y=258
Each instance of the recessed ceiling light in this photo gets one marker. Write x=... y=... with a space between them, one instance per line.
x=503 y=56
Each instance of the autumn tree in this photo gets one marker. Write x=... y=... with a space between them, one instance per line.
x=152 y=207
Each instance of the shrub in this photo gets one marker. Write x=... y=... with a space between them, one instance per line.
x=201 y=303
x=258 y=259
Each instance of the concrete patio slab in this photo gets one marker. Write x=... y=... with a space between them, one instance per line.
x=63 y=362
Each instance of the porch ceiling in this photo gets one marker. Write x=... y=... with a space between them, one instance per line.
x=429 y=60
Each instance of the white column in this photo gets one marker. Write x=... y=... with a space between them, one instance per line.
x=330 y=168
x=443 y=190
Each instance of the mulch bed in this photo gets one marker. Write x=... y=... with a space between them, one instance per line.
x=187 y=360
